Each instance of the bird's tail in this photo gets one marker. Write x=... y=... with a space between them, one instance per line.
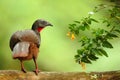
x=21 y=49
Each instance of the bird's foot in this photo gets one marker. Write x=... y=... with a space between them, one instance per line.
x=36 y=71
x=23 y=70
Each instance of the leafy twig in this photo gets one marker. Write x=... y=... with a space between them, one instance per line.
x=92 y=47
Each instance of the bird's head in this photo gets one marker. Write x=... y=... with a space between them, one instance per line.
x=39 y=24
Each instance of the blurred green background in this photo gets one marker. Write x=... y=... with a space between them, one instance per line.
x=57 y=50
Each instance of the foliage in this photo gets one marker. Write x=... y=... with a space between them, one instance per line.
x=94 y=46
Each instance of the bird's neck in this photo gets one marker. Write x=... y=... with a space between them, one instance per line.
x=36 y=28
x=39 y=29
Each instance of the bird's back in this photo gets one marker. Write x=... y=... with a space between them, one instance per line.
x=24 y=36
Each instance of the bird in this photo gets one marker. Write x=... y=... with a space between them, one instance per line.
x=25 y=44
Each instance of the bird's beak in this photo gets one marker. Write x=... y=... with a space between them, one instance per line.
x=49 y=24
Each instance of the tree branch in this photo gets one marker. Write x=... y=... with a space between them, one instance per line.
x=18 y=75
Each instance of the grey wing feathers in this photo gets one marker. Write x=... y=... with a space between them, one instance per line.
x=13 y=41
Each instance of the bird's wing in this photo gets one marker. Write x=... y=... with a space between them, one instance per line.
x=24 y=36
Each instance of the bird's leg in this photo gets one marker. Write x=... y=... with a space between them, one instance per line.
x=22 y=66
x=36 y=66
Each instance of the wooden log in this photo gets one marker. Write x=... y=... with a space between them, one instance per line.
x=18 y=75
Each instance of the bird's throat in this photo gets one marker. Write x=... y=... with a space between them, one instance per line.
x=39 y=29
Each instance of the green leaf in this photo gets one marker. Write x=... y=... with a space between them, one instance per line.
x=96 y=51
x=117 y=30
x=94 y=20
x=88 y=27
x=77 y=58
x=107 y=44
x=112 y=35
x=72 y=24
x=82 y=27
x=83 y=43
x=103 y=52
x=89 y=21
x=80 y=52
x=85 y=59
x=77 y=32
x=105 y=21
x=77 y=22
x=71 y=27
x=108 y=24
x=92 y=57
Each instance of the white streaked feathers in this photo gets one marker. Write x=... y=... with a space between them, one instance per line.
x=21 y=49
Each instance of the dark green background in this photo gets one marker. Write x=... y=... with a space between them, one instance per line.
x=57 y=50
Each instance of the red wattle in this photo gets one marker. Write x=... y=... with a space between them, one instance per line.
x=39 y=29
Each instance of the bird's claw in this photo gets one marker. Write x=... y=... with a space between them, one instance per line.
x=23 y=70
x=36 y=71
